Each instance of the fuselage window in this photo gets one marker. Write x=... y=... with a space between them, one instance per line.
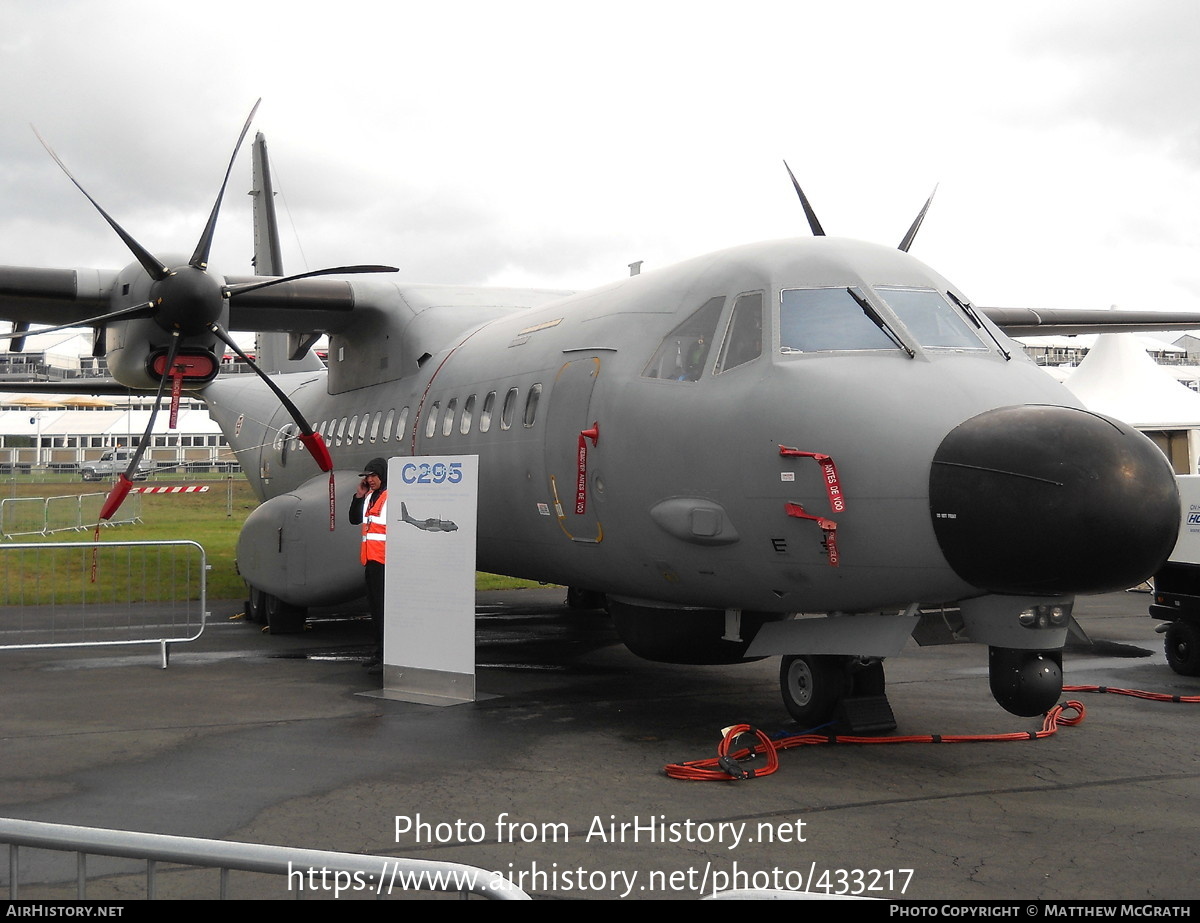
x=431 y=421
x=485 y=415
x=743 y=336
x=930 y=318
x=375 y=425
x=288 y=441
x=448 y=422
x=387 y=423
x=341 y=431
x=362 y=428
x=350 y=430
x=468 y=414
x=402 y=425
x=531 y=402
x=682 y=354
x=506 y=412
x=825 y=319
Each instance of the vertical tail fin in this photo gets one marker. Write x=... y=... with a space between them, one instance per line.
x=276 y=352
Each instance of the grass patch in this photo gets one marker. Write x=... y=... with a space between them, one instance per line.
x=500 y=582
x=211 y=519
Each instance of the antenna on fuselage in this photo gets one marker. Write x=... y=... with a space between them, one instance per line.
x=813 y=223
x=916 y=225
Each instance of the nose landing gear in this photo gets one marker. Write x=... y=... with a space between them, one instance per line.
x=818 y=688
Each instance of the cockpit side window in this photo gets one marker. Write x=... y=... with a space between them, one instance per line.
x=824 y=319
x=743 y=336
x=930 y=318
x=683 y=353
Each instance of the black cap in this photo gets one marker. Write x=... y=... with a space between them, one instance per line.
x=377 y=466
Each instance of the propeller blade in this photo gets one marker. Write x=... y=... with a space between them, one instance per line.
x=121 y=489
x=916 y=225
x=154 y=268
x=115 y=498
x=19 y=329
x=146 y=309
x=311 y=441
x=229 y=291
x=200 y=257
x=813 y=223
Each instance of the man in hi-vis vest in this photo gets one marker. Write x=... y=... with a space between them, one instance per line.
x=369 y=508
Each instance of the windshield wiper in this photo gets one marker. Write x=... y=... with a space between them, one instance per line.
x=968 y=309
x=876 y=318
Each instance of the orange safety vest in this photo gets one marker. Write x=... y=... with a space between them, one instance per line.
x=374 y=529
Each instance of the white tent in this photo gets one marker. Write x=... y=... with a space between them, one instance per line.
x=1119 y=379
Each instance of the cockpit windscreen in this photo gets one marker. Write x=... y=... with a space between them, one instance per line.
x=930 y=318
x=822 y=319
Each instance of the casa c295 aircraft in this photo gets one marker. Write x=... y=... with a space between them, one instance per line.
x=809 y=448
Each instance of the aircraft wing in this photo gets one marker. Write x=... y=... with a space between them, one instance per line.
x=54 y=296
x=317 y=305
x=58 y=297
x=1020 y=322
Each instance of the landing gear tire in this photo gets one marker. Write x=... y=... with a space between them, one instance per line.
x=584 y=599
x=812 y=685
x=1182 y=646
x=284 y=618
x=256 y=606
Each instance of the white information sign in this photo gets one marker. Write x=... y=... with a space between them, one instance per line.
x=429 y=609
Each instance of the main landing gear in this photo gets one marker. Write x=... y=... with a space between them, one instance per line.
x=281 y=618
x=820 y=688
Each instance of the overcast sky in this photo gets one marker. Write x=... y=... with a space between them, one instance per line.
x=553 y=143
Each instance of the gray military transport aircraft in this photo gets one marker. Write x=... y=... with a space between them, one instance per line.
x=810 y=448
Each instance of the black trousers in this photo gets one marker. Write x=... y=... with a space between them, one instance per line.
x=373 y=572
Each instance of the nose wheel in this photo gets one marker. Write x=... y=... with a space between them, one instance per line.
x=817 y=688
x=812 y=685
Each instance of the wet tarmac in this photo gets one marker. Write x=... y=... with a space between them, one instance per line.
x=558 y=781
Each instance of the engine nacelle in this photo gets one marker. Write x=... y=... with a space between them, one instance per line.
x=136 y=349
x=286 y=547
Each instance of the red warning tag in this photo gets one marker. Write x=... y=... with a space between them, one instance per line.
x=581 y=467
x=828 y=530
x=833 y=486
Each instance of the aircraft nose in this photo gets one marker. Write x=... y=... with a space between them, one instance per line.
x=1052 y=500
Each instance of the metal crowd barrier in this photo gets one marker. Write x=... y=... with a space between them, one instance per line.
x=308 y=871
x=89 y=594
x=44 y=515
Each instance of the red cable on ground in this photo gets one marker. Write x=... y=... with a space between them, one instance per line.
x=1136 y=693
x=729 y=767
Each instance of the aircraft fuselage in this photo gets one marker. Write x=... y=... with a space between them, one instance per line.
x=686 y=494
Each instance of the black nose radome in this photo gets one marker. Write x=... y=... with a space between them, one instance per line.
x=1052 y=500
